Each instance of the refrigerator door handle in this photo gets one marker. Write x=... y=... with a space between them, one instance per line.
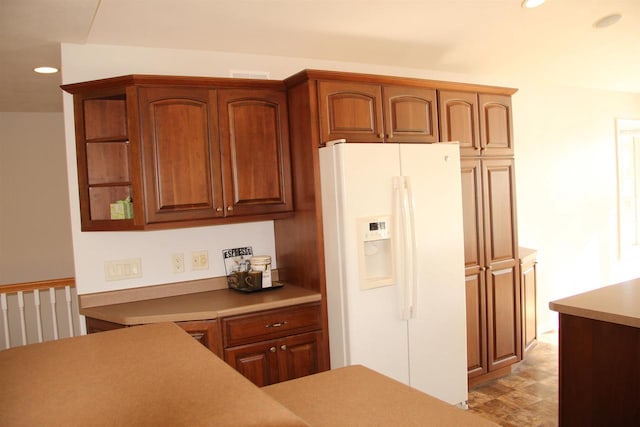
x=399 y=238
x=403 y=214
x=411 y=270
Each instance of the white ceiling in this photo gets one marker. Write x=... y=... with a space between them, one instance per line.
x=555 y=43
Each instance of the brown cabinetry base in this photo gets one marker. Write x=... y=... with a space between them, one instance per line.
x=599 y=373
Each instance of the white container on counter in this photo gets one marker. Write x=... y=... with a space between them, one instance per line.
x=262 y=263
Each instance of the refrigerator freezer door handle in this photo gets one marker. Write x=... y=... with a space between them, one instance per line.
x=399 y=243
x=411 y=272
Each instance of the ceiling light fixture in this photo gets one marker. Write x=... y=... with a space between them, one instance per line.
x=45 y=70
x=530 y=4
x=607 y=20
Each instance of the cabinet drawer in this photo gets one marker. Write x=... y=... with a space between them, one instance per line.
x=270 y=324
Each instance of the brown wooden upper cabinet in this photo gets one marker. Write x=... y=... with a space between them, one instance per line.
x=363 y=112
x=186 y=151
x=181 y=154
x=255 y=151
x=480 y=122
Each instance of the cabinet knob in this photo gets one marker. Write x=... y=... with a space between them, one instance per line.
x=283 y=347
x=272 y=349
x=229 y=208
x=218 y=209
x=381 y=135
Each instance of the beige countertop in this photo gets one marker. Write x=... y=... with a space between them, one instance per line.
x=358 y=396
x=157 y=375
x=527 y=254
x=151 y=375
x=618 y=304
x=200 y=306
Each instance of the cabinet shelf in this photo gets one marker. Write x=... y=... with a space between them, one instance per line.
x=111 y=184
x=120 y=138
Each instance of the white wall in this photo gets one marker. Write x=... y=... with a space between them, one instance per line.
x=566 y=188
x=35 y=231
x=565 y=172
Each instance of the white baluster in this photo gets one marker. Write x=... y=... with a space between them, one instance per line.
x=5 y=318
x=54 y=317
x=23 y=323
x=36 y=301
x=67 y=294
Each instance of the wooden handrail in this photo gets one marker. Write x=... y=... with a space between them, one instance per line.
x=42 y=284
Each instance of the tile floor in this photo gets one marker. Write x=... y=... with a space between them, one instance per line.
x=526 y=397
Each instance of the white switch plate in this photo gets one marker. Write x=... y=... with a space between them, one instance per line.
x=123 y=269
x=200 y=260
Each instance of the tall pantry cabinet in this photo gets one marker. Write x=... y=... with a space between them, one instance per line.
x=325 y=106
x=482 y=123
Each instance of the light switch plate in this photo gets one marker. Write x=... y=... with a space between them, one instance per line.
x=123 y=269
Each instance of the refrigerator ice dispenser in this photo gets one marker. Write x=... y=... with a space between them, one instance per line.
x=375 y=252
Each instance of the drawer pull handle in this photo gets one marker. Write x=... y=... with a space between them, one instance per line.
x=283 y=347
x=276 y=325
x=272 y=349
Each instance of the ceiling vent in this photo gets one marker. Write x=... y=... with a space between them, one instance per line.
x=238 y=74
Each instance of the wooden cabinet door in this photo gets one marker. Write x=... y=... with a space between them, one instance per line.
x=352 y=111
x=472 y=214
x=181 y=154
x=255 y=151
x=472 y=210
x=206 y=332
x=499 y=213
x=458 y=112
x=496 y=133
x=503 y=309
x=476 y=303
x=298 y=355
x=257 y=362
x=503 y=290
x=410 y=114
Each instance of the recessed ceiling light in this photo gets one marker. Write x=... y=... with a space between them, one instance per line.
x=46 y=70
x=607 y=20
x=530 y=4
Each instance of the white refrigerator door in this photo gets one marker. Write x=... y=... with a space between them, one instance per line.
x=365 y=326
x=437 y=333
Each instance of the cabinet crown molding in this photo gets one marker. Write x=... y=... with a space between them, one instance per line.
x=183 y=81
x=304 y=75
x=310 y=74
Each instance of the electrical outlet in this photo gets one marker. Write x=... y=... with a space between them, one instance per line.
x=177 y=261
x=123 y=269
x=200 y=260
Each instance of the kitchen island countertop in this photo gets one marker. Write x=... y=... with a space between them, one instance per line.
x=200 y=306
x=619 y=304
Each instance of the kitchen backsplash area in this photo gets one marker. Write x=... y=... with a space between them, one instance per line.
x=112 y=261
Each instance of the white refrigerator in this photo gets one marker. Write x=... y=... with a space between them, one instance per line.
x=394 y=253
